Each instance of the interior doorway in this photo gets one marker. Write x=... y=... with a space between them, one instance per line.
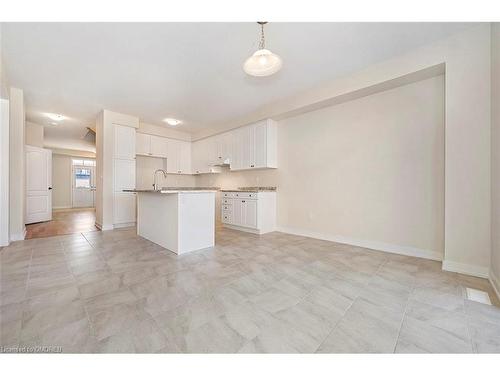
x=83 y=183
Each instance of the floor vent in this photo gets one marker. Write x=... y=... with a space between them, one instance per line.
x=478 y=296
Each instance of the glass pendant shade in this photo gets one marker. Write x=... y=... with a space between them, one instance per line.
x=262 y=63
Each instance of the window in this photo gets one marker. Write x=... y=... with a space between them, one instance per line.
x=85 y=162
x=82 y=178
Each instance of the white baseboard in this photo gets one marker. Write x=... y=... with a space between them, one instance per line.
x=61 y=207
x=374 y=245
x=466 y=269
x=495 y=282
x=243 y=229
x=124 y=225
x=18 y=236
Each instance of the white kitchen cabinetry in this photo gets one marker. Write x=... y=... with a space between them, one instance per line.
x=159 y=146
x=255 y=146
x=124 y=142
x=151 y=145
x=124 y=152
x=178 y=157
x=143 y=144
x=249 y=212
x=201 y=157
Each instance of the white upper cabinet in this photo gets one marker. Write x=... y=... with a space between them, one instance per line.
x=185 y=158
x=124 y=142
x=159 y=146
x=143 y=144
x=178 y=157
x=151 y=145
x=255 y=146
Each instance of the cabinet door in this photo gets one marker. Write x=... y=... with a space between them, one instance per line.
x=260 y=133
x=173 y=155
x=124 y=174
x=225 y=146
x=250 y=213
x=159 y=146
x=185 y=158
x=246 y=145
x=143 y=144
x=124 y=142
x=237 y=212
x=124 y=208
x=238 y=142
x=250 y=144
x=212 y=151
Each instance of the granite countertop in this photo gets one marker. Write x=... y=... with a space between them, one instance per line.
x=165 y=190
x=251 y=189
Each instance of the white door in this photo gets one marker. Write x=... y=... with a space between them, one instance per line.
x=38 y=184
x=83 y=184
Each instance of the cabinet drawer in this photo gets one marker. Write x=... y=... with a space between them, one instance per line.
x=227 y=208
x=245 y=195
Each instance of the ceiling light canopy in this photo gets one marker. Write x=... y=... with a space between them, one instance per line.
x=172 y=121
x=55 y=116
x=263 y=62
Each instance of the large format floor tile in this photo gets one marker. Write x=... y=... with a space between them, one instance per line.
x=110 y=292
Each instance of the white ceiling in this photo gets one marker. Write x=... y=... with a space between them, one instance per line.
x=189 y=71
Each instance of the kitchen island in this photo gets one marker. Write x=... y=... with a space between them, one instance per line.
x=179 y=219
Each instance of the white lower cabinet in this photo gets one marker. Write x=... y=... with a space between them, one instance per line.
x=124 y=209
x=250 y=212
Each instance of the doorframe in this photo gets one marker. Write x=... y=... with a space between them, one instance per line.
x=4 y=172
x=72 y=157
x=92 y=178
x=47 y=152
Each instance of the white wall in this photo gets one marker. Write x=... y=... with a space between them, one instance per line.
x=61 y=181
x=145 y=167
x=4 y=172
x=367 y=170
x=466 y=56
x=16 y=170
x=34 y=134
x=495 y=155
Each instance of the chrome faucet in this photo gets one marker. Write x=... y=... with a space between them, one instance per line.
x=155 y=185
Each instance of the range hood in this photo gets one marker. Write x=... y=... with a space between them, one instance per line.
x=222 y=163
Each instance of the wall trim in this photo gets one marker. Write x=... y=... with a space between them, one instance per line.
x=495 y=283
x=61 y=207
x=374 y=245
x=466 y=269
x=18 y=236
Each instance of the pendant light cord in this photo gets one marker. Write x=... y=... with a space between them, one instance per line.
x=262 y=43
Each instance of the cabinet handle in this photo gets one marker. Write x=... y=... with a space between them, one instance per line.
x=252 y=166
x=242 y=201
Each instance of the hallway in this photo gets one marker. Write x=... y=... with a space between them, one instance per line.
x=65 y=221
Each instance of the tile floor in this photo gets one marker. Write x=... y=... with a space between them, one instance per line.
x=115 y=292
x=65 y=221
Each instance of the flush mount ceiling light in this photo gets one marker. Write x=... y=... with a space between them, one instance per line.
x=172 y=121
x=55 y=116
x=263 y=62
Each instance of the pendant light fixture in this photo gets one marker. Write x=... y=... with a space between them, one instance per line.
x=263 y=62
